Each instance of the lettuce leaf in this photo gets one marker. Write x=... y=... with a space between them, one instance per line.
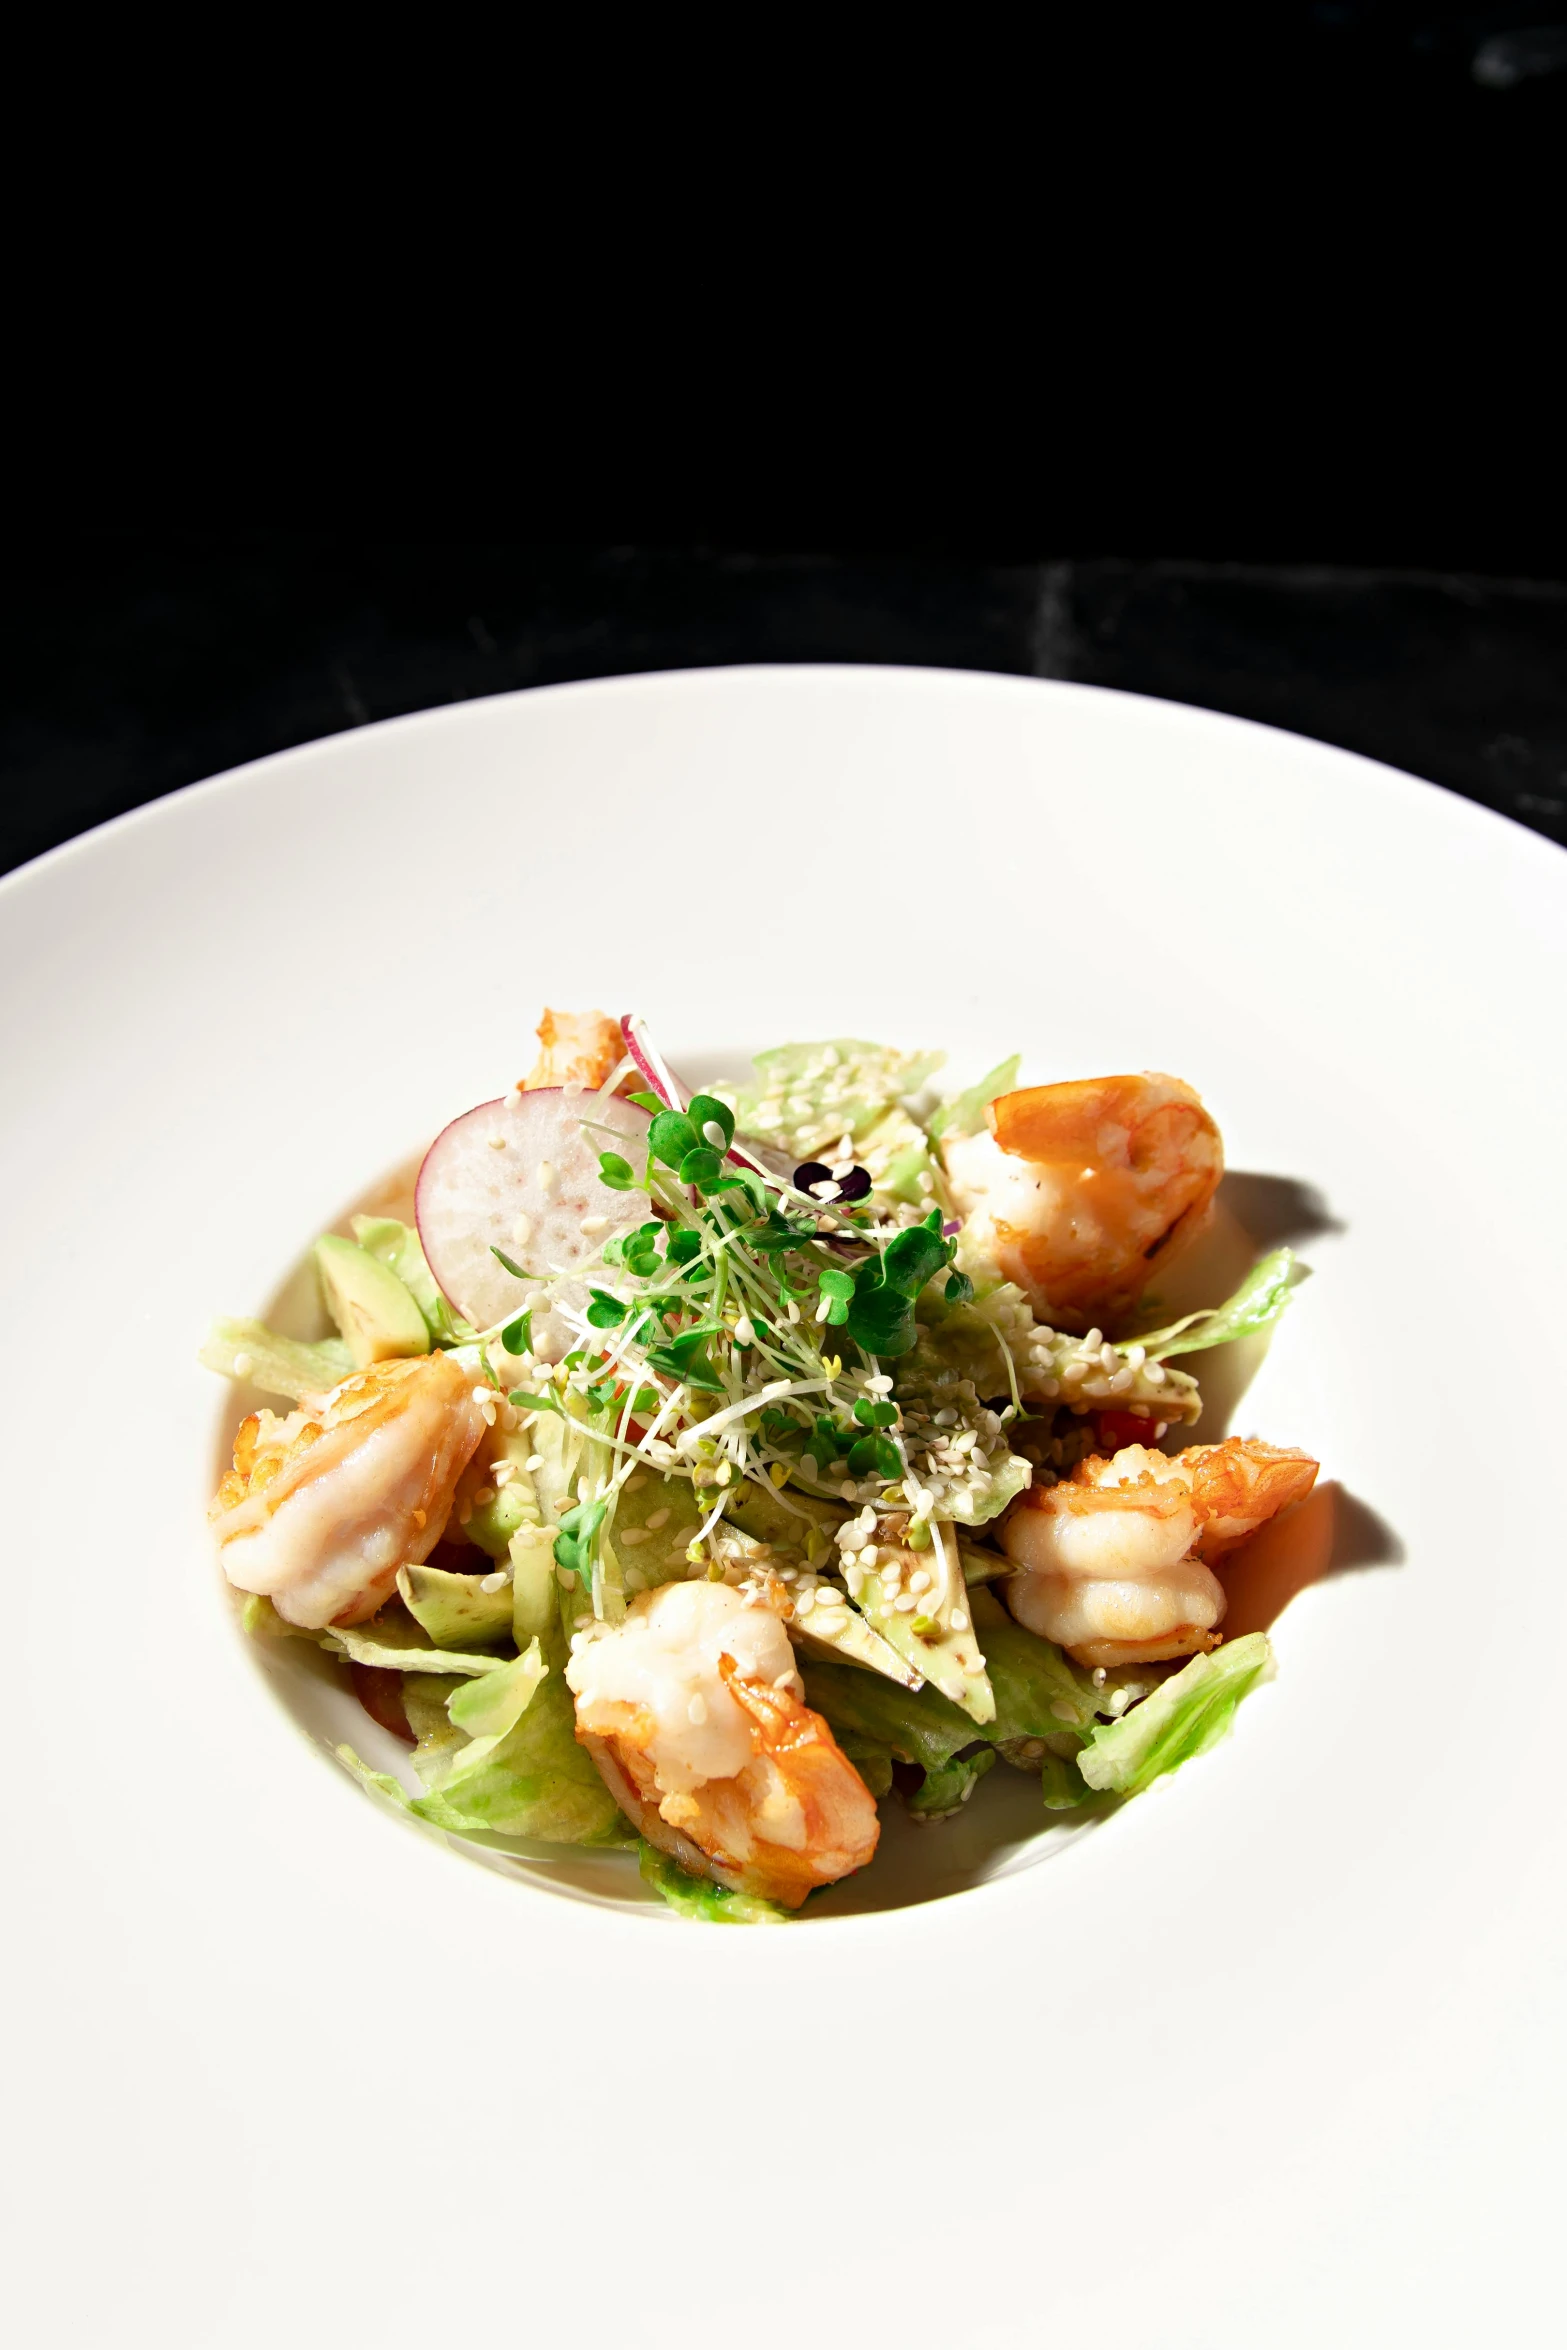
x=699 y=1898
x=1183 y=1717
x=965 y=1112
x=400 y=1647
x=1260 y=1299
x=277 y=1365
x=943 y=1791
x=809 y=1095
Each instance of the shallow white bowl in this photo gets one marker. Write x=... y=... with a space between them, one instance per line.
x=1271 y=2053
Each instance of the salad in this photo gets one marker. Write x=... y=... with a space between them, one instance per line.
x=700 y=1472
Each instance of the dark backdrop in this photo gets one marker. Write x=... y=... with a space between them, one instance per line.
x=1250 y=398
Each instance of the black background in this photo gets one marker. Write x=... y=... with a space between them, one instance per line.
x=1217 y=361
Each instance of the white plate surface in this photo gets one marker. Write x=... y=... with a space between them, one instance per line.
x=1276 y=2055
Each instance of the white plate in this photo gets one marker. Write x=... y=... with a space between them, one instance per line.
x=1272 y=2056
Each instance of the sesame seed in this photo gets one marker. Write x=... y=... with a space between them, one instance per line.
x=496 y=1582
x=658 y=1521
x=905 y=1603
x=522 y=1229
x=1095 y=1339
x=1154 y=1374
x=869 y=1555
x=958 y=1620
x=497 y=1142
x=1063 y=1711
x=630 y=1536
x=242 y=1366
x=784 y=1681
x=535 y=1460
x=483 y=1494
x=794 y=1311
x=591 y=1226
x=545 y=1178
x=848 y=1489
x=745 y=1331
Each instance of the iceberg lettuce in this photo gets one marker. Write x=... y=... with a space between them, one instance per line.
x=965 y=1112
x=1260 y=1299
x=277 y=1365
x=701 y=1899
x=1183 y=1717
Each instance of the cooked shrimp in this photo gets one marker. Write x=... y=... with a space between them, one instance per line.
x=576 y=1048
x=1076 y=1190
x=692 y=1710
x=1117 y=1561
x=321 y=1509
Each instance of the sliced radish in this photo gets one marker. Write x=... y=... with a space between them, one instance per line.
x=661 y=1080
x=521 y=1175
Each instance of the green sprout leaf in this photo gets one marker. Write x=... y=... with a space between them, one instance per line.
x=574 y=1542
x=648 y=1101
x=705 y=1109
x=517 y=1337
x=615 y=1173
x=514 y=1270
x=672 y=1136
x=526 y=1402
x=605 y=1312
x=874 y=1455
x=836 y=1284
x=959 y=1289
x=910 y=1261
x=701 y=1167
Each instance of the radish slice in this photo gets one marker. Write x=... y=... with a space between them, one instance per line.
x=522 y=1175
x=662 y=1080
x=647 y=1058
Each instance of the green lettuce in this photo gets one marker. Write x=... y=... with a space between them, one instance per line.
x=1260 y=1299
x=809 y=1095
x=701 y=1899
x=277 y=1365
x=1183 y=1717
x=1039 y=1696
x=401 y=1647
x=965 y=1112
x=398 y=1248
x=531 y=1780
x=942 y=1792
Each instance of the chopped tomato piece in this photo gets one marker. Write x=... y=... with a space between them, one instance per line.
x=1118 y=1428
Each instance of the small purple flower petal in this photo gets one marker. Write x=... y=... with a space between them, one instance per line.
x=950 y=1227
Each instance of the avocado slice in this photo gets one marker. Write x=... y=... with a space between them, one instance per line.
x=452 y=1608
x=376 y=1314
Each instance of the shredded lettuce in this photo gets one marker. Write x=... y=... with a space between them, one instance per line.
x=965 y=1112
x=277 y=1365
x=400 y=1647
x=809 y=1095
x=532 y=1779
x=944 y=1791
x=1183 y=1717
x=1260 y=1299
x=398 y=1248
x=701 y=1899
